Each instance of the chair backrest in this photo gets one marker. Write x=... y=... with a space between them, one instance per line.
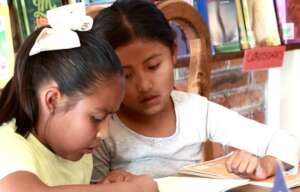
x=199 y=61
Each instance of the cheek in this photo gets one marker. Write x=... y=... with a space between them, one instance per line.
x=167 y=77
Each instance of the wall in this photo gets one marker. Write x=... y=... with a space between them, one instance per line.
x=284 y=102
x=241 y=91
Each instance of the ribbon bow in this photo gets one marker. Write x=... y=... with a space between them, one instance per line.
x=64 y=21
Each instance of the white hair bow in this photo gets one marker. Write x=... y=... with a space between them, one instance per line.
x=64 y=21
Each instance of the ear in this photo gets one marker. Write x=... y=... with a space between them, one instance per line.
x=51 y=98
x=174 y=53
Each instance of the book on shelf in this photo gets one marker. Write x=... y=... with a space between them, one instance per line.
x=216 y=169
x=201 y=6
x=6 y=45
x=32 y=14
x=289 y=20
x=223 y=25
x=261 y=23
x=241 y=25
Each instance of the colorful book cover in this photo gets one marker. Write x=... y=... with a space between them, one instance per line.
x=32 y=14
x=249 y=31
x=201 y=6
x=241 y=25
x=261 y=17
x=223 y=25
x=288 y=13
x=6 y=45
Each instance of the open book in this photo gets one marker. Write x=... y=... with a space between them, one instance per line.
x=216 y=169
x=196 y=184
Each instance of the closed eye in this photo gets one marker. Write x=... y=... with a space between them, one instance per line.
x=153 y=67
x=97 y=120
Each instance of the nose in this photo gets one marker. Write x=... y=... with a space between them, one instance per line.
x=103 y=128
x=143 y=83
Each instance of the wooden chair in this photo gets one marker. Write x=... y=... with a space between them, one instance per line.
x=200 y=61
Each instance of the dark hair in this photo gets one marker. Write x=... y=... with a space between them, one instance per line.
x=76 y=71
x=127 y=20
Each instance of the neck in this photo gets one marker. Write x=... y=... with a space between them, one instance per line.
x=159 y=124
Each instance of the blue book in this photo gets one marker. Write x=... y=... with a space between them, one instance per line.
x=201 y=6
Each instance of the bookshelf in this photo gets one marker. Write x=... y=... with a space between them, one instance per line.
x=230 y=56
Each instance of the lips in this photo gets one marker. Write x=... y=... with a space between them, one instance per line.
x=150 y=100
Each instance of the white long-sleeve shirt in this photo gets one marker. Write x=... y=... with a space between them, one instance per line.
x=197 y=120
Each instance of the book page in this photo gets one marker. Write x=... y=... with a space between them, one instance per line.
x=197 y=184
x=211 y=169
x=290 y=179
x=216 y=169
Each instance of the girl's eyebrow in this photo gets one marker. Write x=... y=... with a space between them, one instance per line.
x=144 y=62
x=109 y=111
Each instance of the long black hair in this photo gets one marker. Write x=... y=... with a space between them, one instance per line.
x=127 y=20
x=76 y=71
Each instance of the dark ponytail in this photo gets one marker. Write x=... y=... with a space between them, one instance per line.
x=76 y=71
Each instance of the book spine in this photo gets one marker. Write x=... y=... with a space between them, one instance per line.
x=25 y=17
x=223 y=25
x=19 y=18
x=249 y=31
x=288 y=26
x=241 y=25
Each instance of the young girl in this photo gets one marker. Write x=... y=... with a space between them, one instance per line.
x=158 y=130
x=55 y=110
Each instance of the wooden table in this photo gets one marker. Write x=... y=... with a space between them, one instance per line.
x=253 y=188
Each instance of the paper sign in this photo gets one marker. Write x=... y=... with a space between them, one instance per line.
x=263 y=57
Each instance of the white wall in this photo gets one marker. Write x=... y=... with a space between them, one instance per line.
x=283 y=94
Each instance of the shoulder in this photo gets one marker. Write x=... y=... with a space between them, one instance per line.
x=15 y=152
x=180 y=97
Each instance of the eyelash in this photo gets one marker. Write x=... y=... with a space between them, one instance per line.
x=128 y=76
x=97 y=120
x=153 y=67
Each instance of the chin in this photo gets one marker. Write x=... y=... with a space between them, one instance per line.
x=153 y=110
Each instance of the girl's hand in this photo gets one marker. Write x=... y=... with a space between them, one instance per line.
x=117 y=176
x=247 y=165
x=135 y=183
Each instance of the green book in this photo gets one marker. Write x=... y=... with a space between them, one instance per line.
x=32 y=14
x=241 y=25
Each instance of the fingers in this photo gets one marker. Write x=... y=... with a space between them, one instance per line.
x=118 y=176
x=266 y=167
x=242 y=163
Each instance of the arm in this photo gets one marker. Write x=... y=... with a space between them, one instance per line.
x=101 y=162
x=27 y=182
x=229 y=128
